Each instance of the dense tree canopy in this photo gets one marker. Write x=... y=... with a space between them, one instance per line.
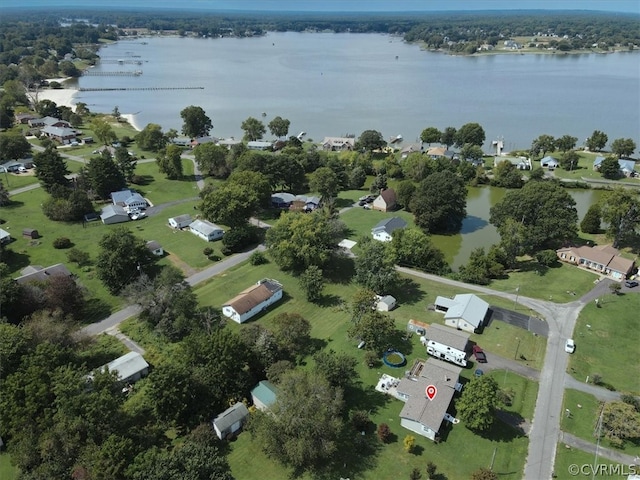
x=477 y=405
x=13 y=146
x=195 y=122
x=544 y=208
x=620 y=209
x=370 y=140
x=212 y=159
x=411 y=247
x=279 y=126
x=375 y=266
x=151 y=138
x=623 y=147
x=51 y=169
x=597 y=141
x=430 y=135
x=472 y=133
x=105 y=176
x=170 y=162
x=439 y=203
x=253 y=129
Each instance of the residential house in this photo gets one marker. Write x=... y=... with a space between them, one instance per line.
x=48 y=122
x=446 y=343
x=602 y=259
x=282 y=200
x=252 y=300
x=129 y=199
x=386 y=201
x=130 y=367
x=521 y=163
x=549 y=162
x=206 y=230
x=114 y=214
x=384 y=229
x=338 y=143
x=62 y=135
x=303 y=203
x=228 y=142
x=258 y=145
x=202 y=140
x=23 y=118
x=181 y=141
x=181 y=221
x=421 y=414
x=5 y=237
x=264 y=395
x=37 y=273
x=231 y=420
x=385 y=303
x=627 y=167
x=442 y=152
x=155 y=248
x=465 y=311
x=409 y=149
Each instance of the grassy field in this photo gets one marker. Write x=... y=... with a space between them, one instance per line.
x=7 y=471
x=568 y=459
x=584 y=169
x=597 y=331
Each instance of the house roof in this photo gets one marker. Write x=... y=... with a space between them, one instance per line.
x=35 y=273
x=121 y=196
x=282 y=197
x=447 y=336
x=153 y=245
x=602 y=254
x=182 y=218
x=548 y=160
x=4 y=233
x=265 y=392
x=388 y=195
x=418 y=407
x=113 y=211
x=259 y=144
x=388 y=300
x=203 y=226
x=389 y=225
x=411 y=148
x=598 y=161
x=469 y=307
x=127 y=365
x=254 y=296
x=339 y=142
x=625 y=165
x=230 y=416
x=59 y=131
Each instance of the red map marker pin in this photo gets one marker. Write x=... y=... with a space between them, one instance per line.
x=431 y=392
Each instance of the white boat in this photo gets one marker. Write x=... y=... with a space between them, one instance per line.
x=396 y=139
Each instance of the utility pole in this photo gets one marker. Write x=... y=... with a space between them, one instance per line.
x=515 y=304
x=595 y=460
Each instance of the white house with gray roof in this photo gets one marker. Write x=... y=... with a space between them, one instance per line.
x=206 y=230
x=384 y=229
x=627 y=167
x=181 y=221
x=464 y=311
x=130 y=367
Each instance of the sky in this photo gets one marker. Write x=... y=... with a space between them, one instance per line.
x=629 y=6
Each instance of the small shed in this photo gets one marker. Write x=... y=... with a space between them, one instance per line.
x=31 y=233
x=264 y=395
x=155 y=248
x=386 y=303
x=231 y=420
x=181 y=221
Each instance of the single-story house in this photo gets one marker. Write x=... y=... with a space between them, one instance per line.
x=521 y=163
x=206 y=230
x=264 y=395
x=305 y=204
x=37 y=273
x=386 y=201
x=549 y=162
x=228 y=142
x=48 y=122
x=252 y=300
x=5 y=237
x=181 y=221
x=130 y=367
x=258 y=145
x=31 y=233
x=114 y=214
x=155 y=248
x=24 y=118
x=129 y=199
x=231 y=420
x=384 y=229
x=338 y=143
x=61 y=135
x=385 y=303
x=465 y=311
x=456 y=341
x=282 y=199
x=420 y=414
x=409 y=149
x=441 y=152
x=202 y=140
x=627 y=167
x=603 y=259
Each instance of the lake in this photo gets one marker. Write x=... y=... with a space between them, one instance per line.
x=331 y=84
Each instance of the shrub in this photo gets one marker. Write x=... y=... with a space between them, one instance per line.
x=257 y=258
x=79 y=257
x=226 y=251
x=409 y=442
x=360 y=420
x=546 y=257
x=371 y=359
x=62 y=242
x=238 y=238
x=207 y=251
x=384 y=432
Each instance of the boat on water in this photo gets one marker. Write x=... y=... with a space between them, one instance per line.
x=396 y=139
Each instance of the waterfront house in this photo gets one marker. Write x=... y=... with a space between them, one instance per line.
x=602 y=259
x=627 y=167
x=338 y=144
x=253 y=300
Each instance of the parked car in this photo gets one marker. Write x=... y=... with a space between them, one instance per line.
x=570 y=346
x=631 y=283
x=362 y=203
x=479 y=354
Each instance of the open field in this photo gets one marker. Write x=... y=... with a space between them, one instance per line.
x=7 y=471
x=605 y=339
x=568 y=459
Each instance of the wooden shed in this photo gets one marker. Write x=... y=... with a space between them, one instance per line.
x=31 y=233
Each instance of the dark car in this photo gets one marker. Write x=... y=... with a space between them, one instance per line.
x=362 y=203
x=630 y=283
x=479 y=354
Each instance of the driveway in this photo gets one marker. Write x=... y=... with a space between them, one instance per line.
x=521 y=320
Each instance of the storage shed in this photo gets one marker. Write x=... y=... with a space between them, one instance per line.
x=231 y=420
x=31 y=233
x=181 y=221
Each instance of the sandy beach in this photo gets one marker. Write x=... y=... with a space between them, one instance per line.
x=66 y=97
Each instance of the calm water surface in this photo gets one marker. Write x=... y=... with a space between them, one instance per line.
x=332 y=84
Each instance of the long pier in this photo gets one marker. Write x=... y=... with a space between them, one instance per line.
x=134 y=73
x=122 y=89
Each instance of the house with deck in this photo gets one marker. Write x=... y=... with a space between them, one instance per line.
x=129 y=200
x=421 y=414
x=602 y=259
x=253 y=300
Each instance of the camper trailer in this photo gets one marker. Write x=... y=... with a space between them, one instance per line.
x=446 y=353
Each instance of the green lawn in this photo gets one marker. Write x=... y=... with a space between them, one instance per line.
x=568 y=459
x=606 y=338
x=525 y=392
x=584 y=168
x=7 y=471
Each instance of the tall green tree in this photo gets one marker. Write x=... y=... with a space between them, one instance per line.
x=311 y=282
x=121 y=258
x=506 y=175
x=544 y=208
x=125 y=162
x=195 y=122
x=620 y=210
x=325 y=182
x=212 y=159
x=478 y=403
x=448 y=137
x=103 y=131
x=370 y=140
x=170 y=162
x=541 y=145
x=439 y=204
x=375 y=267
x=411 y=247
x=610 y=168
x=151 y=138
x=597 y=141
x=104 y=175
x=566 y=143
x=253 y=129
x=51 y=169
x=430 y=135
x=292 y=334
x=279 y=127
x=375 y=329
x=569 y=160
x=592 y=220
x=338 y=368
x=302 y=429
x=471 y=133
x=4 y=195
x=13 y=146
x=623 y=147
